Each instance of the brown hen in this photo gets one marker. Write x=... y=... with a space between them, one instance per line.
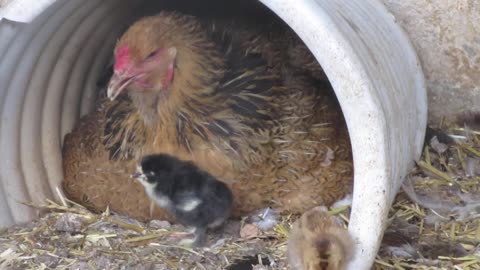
x=234 y=100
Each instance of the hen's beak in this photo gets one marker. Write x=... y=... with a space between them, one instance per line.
x=117 y=84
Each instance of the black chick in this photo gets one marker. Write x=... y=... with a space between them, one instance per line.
x=194 y=197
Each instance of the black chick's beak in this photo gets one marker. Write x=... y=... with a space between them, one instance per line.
x=136 y=175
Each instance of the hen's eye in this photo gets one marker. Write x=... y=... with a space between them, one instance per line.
x=152 y=54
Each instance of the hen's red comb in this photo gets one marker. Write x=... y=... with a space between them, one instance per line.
x=122 y=59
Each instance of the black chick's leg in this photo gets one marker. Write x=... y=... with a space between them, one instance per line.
x=199 y=239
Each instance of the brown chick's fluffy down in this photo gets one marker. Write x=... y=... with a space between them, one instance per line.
x=319 y=242
x=229 y=98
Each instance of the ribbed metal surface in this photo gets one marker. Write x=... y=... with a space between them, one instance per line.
x=8 y=31
x=48 y=70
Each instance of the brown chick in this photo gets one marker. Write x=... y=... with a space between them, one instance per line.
x=224 y=97
x=319 y=242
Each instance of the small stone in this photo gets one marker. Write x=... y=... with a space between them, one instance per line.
x=159 y=224
x=160 y=267
x=80 y=266
x=232 y=228
x=137 y=267
x=103 y=262
x=259 y=267
x=145 y=251
x=61 y=252
x=191 y=260
x=249 y=231
x=46 y=260
x=69 y=222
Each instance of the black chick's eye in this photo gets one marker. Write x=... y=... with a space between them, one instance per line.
x=151 y=55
